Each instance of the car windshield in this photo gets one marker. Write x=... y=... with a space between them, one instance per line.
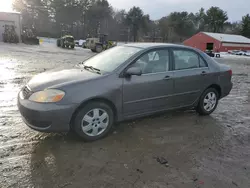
x=109 y=60
x=70 y=39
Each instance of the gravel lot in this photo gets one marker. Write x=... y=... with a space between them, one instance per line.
x=207 y=152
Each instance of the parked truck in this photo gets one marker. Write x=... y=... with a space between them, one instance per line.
x=99 y=44
x=66 y=41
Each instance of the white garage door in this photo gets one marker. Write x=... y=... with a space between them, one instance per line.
x=2 y=24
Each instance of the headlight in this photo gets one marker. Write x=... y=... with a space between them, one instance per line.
x=47 y=96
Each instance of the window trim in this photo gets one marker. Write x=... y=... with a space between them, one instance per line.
x=186 y=49
x=148 y=51
x=200 y=57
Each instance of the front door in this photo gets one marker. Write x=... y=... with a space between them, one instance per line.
x=152 y=90
x=190 y=77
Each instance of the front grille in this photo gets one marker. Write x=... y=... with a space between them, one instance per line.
x=26 y=92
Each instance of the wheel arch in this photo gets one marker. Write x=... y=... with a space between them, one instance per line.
x=97 y=99
x=217 y=87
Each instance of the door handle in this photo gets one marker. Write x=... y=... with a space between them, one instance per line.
x=167 y=77
x=204 y=73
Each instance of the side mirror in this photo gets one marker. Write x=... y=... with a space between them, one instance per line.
x=134 y=71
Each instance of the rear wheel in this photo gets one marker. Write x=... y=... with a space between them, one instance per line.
x=72 y=46
x=208 y=102
x=94 y=121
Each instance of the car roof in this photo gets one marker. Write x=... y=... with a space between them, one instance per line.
x=155 y=45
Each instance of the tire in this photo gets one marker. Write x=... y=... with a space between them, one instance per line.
x=204 y=108
x=95 y=128
x=72 y=46
x=98 y=48
x=62 y=44
x=58 y=43
x=93 y=50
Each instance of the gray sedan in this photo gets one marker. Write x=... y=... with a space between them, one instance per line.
x=122 y=83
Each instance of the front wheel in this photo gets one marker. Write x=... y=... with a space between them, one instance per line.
x=208 y=102
x=98 y=48
x=94 y=121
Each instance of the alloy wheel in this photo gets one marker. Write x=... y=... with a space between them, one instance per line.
x=95 y=122
x=210 y=101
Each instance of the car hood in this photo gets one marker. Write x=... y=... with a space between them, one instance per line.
x=57 y=77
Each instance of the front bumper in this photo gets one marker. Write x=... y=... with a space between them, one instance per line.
x=46 y=117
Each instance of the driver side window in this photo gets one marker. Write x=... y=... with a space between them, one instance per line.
x=153 y=62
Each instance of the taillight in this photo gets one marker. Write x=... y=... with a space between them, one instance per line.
x=230 y=72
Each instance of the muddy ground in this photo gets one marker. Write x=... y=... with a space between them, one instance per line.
x=207 y=152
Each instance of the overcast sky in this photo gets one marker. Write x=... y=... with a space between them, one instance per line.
x=159 y=8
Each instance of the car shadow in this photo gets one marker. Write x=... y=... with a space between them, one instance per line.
x=63 y=160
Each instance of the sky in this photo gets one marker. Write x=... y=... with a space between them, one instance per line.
x=159 y=8
x=6 y=5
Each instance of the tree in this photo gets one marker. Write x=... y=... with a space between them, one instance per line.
x=246 y=26
x=61 y=9
x=164 y=28
x=182 y=25
x=232 y=28
x=86 y=18
x=135 y=20
x=35 y=14
x=216 y=19
x=28 y=15
x=119 y=28
x=97 y=17
x=200 y=20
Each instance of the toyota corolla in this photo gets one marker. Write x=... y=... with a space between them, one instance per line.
x=122 y=83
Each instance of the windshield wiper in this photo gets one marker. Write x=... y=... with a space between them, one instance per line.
x=98 y=71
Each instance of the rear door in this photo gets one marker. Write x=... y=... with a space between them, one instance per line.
x=152 y=91
x=190 y=76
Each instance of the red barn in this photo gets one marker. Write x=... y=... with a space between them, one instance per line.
x=218 y=42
